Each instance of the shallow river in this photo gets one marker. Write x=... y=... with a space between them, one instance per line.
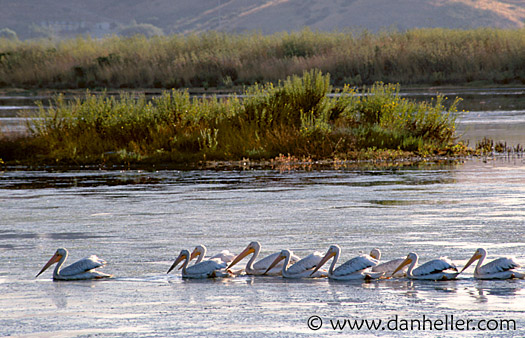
x=139 y=221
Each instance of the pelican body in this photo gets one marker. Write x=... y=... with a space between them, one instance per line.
x=82 y=269
x=205 y=269
x=261 y=267
x=436 y=269
x=200 y=252
x=500 y=268
x=356 y=268
x=387 y=267
x=304 y=268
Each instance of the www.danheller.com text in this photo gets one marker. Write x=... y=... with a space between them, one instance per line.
x=424 y=323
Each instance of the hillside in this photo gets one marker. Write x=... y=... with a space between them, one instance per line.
x=29 y=18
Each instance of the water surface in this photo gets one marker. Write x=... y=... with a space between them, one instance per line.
x=139 y=221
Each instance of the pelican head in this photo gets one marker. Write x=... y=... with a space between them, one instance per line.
x=412 y=257
x=282 y=255
x=333 y=250
x=375 y=254
x=250 y=249
x=184 y=254
x=477 y=255
x=61 y=252
x=200 y=250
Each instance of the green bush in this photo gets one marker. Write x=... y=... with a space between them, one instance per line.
x=299 y=116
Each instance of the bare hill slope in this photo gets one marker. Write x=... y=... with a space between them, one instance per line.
x=29 y=18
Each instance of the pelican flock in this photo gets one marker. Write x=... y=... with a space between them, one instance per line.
x=82 y=269
x=288 y=265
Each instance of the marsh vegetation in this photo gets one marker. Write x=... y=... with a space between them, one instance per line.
x=414 y=57
x=297 y=116
x=285 y=102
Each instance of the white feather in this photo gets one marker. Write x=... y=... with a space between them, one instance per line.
x=83 y=265
x=308 y=263
x=436 y=269
x=435 y=266
x=354 y=265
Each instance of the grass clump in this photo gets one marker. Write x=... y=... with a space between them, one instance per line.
x=297 y=116
x=213 y=59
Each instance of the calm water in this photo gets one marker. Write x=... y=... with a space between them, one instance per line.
x=139 y=221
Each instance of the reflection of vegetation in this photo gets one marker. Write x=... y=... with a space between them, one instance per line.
x=489 y=146
x=296 y=117
x=422 y=56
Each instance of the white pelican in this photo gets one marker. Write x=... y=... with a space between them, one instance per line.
x=261 y=266
x=501 y=268
x=303 y=268
x=200 y=251
x=436 y=269
x=83 y=269
x=387 y=267
x=356 y=268
x=206 y=269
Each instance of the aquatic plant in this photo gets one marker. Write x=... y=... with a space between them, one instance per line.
x=489 y=146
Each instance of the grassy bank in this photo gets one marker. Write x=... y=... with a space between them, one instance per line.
x=296 y=116
x=415 y=57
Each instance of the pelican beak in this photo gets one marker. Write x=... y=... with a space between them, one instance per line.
x=323 y=261
x=240 y=256
x=402 y=265
x=472 y=259
x=56 y=257
x=275 y=262
x=177 y=261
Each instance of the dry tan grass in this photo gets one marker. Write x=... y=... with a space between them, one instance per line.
x=513 y=10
